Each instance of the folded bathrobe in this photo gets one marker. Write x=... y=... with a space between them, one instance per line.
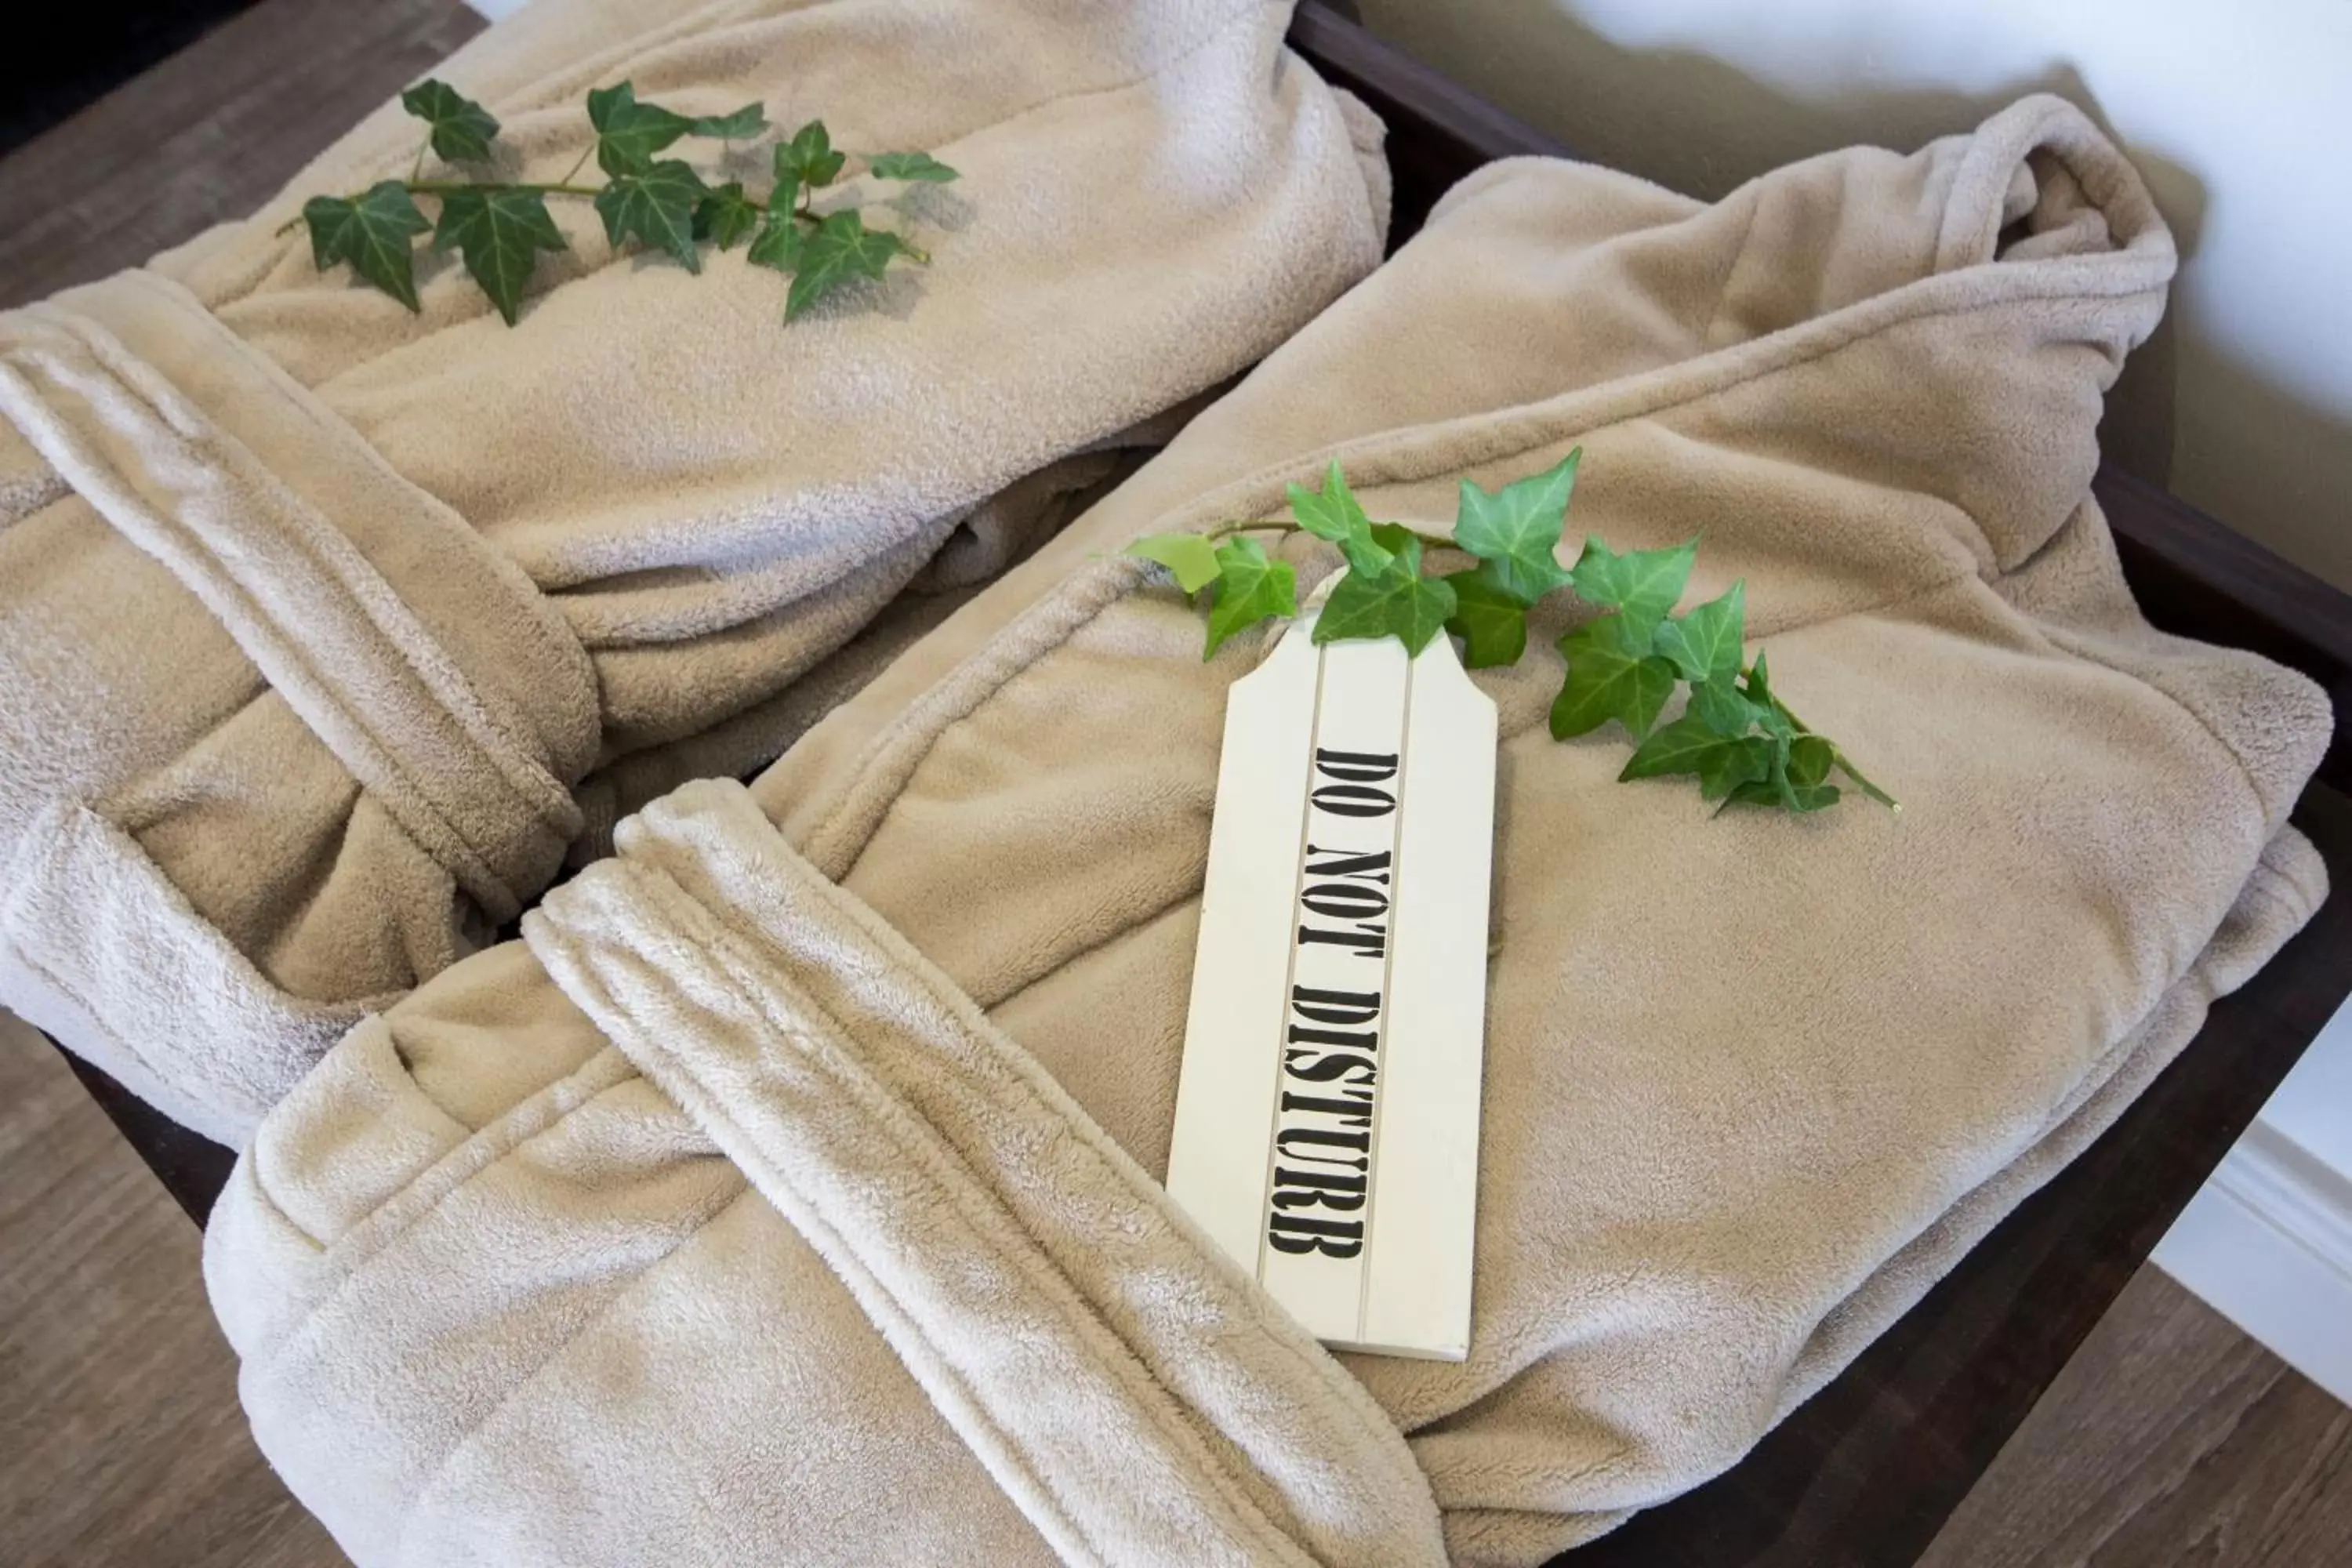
x=325 y=628
x=790 y=1196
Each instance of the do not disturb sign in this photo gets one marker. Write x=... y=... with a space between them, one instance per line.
x=1327 y=1115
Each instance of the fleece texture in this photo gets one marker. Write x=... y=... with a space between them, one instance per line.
x=1752 y=1081
x=329 y=631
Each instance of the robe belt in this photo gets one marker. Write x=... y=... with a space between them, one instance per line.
x=1133 y=1392
x=424 y=659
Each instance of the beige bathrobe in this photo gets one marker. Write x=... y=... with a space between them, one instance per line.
x=791 y=1194
x=326 y=629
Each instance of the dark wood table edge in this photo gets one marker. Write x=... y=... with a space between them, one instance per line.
x=192 y=1167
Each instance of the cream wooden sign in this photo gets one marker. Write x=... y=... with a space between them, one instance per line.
x=1327 y=1115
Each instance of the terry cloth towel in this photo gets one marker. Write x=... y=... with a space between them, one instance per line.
x=605 y=1239
x=325 y=628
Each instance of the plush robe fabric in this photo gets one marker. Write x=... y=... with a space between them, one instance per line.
x=327 y=629
x=790 y=1191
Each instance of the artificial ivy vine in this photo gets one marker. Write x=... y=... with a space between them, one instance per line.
x=500 y=227
x=1733 y=734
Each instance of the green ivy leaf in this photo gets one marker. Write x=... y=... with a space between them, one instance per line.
x=920 y=167
x=1612 y=674
x=1811 y=757
x=1705 y=644
x=1790 y=781
x=1332 y=514
x=1758 y=688
x=1249 y=588
x=1492 y=624
x=500 y=232
x=808 y=156
x=1680 y=747
x=786 y=195
x=747 y=121
x=373 y=234
x=1515 y=530
x=1420 y=619
x=628 y=134
x=1721 y=707
x=1688 y=746
x=1771 y=788
x=1191 y=558
x=1782 y=792
x=778 y=243
x=841 y=249
x=462 y=128
x=1643 y=583
x=725 y=217
x=1737 y=764
x=1396 y=602
x=656 y=206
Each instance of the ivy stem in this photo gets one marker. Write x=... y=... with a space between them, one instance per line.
x=1226 y=530
x=580 y=164
x=1838 y=758
x=564 y=187
x=416 y=170
x=446 y=187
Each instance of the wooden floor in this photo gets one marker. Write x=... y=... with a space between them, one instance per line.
x=2171 y=1437
x=208 y=135
x=120 y=1439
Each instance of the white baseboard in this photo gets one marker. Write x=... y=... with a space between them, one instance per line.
x=2268 y=1244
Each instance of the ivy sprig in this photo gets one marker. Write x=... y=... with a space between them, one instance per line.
x=1733 y=734
x=501 y=227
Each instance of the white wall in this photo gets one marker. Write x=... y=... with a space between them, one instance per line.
x=2269 y=1239
x=2240 y=115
